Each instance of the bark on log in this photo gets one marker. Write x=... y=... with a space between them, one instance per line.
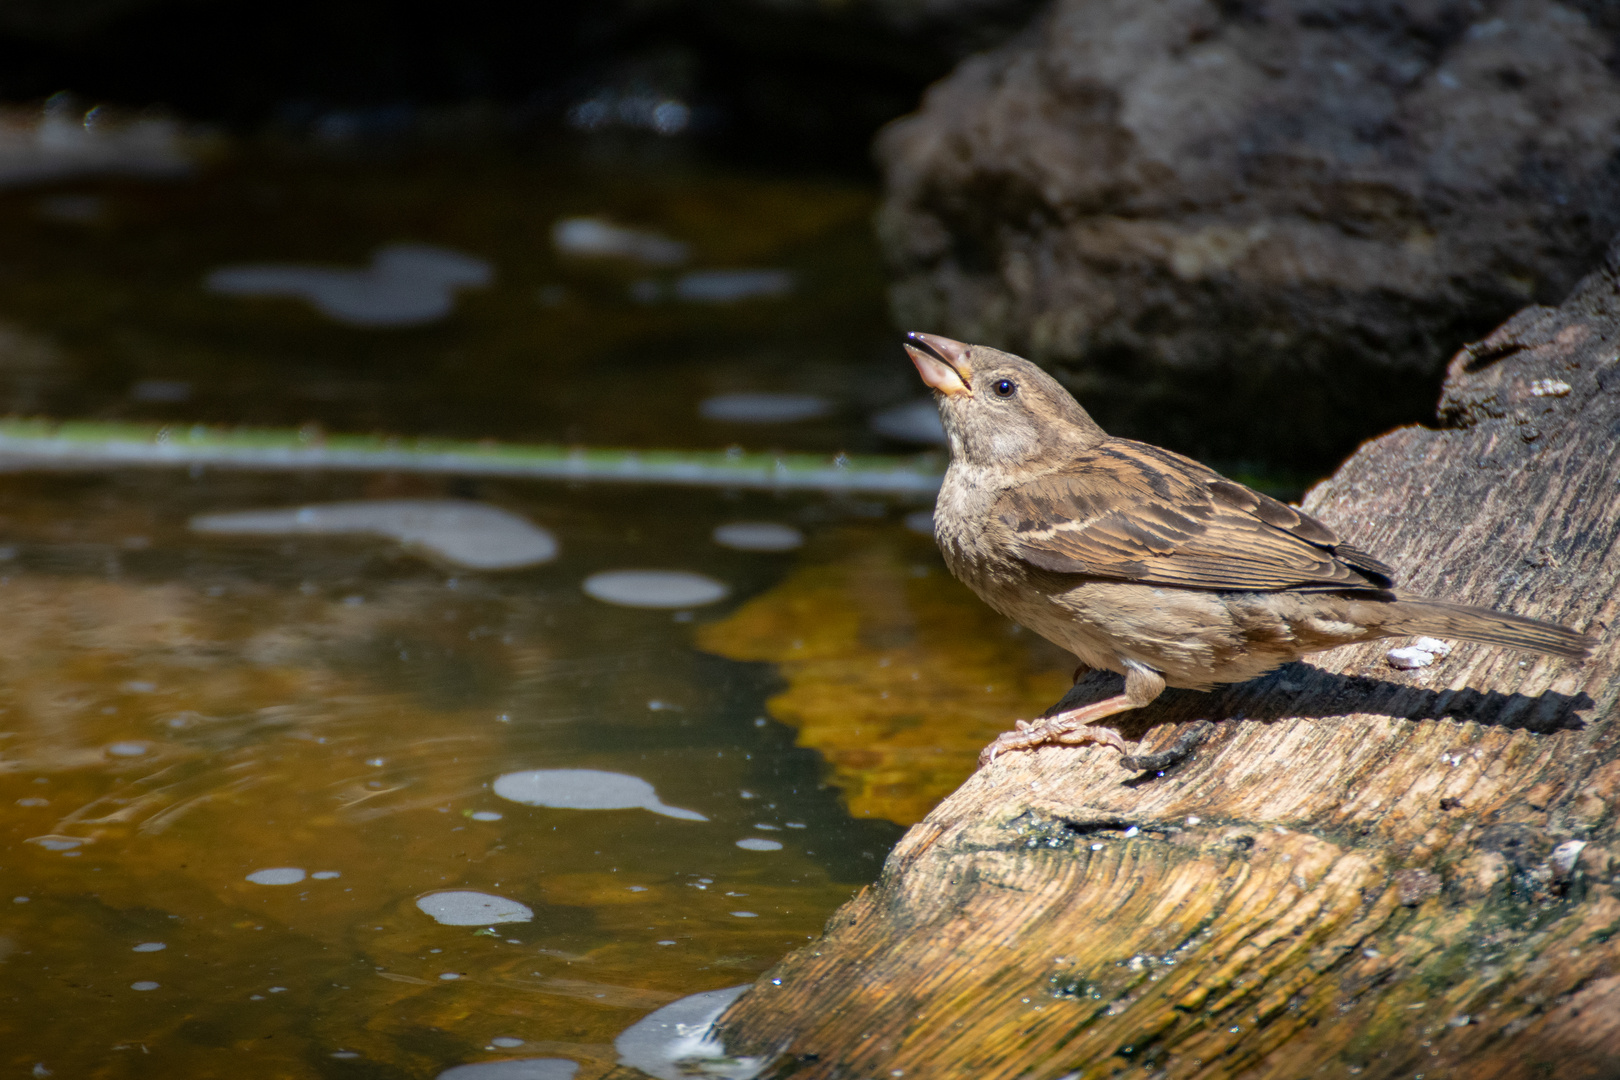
x=1363 y=871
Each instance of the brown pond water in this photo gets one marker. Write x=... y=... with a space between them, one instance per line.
x=181 y=713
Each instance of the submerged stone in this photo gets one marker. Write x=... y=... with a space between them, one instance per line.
x=898 y=677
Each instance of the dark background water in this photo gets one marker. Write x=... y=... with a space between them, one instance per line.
x=797 y=85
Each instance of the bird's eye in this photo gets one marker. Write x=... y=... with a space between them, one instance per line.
x=1005 y=388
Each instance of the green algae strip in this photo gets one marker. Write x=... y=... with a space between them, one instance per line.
x=88 y=444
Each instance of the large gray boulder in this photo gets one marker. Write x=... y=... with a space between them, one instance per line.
x=1280 y=210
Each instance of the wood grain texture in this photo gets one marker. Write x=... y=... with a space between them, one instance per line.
x=1363 y=872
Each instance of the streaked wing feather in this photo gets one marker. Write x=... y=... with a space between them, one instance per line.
x=1134 y=512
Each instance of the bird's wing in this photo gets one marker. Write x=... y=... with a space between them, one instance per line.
x=1133 y=512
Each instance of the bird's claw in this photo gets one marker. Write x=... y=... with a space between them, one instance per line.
x=1028 y=736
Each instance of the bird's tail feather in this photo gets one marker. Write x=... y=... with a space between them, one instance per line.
x=1441 y=618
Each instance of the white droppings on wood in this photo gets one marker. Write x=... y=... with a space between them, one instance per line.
x=1410 y=658
x=1549 y=388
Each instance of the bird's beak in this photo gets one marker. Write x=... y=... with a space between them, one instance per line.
x=941 y=362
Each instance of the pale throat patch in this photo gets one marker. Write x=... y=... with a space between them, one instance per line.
x=1012 y=444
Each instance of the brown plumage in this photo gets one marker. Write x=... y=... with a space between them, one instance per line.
x=1144 y=562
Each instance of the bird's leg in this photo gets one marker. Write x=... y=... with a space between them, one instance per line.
x=1075 y=726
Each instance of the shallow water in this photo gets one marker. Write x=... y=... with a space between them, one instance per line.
x=249 y=807
x=263 y=754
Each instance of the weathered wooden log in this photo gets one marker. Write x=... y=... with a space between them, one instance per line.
x=1362 y=871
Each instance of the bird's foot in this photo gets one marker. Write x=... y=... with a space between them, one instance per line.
x=1072 y=728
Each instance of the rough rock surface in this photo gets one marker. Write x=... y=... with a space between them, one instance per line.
x=1288 y=207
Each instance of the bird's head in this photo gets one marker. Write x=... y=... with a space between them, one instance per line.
x=999 y=409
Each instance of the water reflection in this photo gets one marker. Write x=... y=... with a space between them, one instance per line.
x=592 y=237
x=464 y=907
x=586 y=789
x=515 y=1069
x=758 y=408
x=758 y=536
x=317 y=776
x=460 y=532
x=258 y=734
x=675 y=1042
x=911 y=422
x=405 y=285
x=655 y=588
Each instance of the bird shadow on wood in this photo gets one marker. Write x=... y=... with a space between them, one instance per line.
x=1301 y=691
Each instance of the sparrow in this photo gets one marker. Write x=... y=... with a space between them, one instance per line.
x=1143 y=562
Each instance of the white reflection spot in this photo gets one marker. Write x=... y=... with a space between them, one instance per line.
x=406 y=285
x=144 y=984
x=744 y=915
x=57 y=842
x=586 y=789
x=515 y=1069
x=280 y=875
x=759 y=843
x=505 y=1042
x=127 y=749
x=326 y=875
x=763 y=408
x=464 y=907
x=467 y=534
x=484 y=815
x=663 y=1043
x=149 y=946
x=654 y=588
x=729 y=286
x=594 y=237
x=913 y=422
x=758 y=536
